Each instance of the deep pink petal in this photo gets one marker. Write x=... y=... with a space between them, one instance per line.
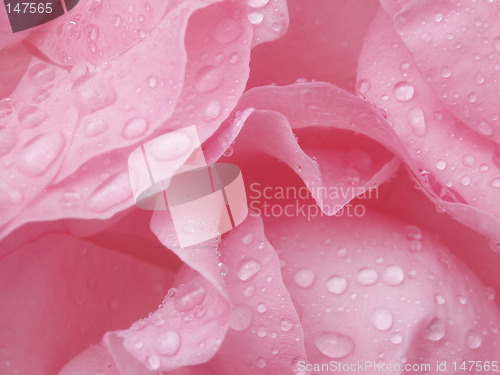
x=60 y=294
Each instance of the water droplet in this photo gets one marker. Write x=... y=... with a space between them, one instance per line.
x=262 y=331
x=473 y=339
x=262 y=308
x=248 y=239
x=403 y=91
x=208 y=78
x=224 y=269
x=495 y=183
x=93 y=93
x=445 y=72
x=393 y=275
x=435 y=330
x=111 y=192
x=255 y=18
x=414 y=246
x=234 y=58
x=168 y=343
x=472 y=98
x=261 y=362
x=94 y=127
x=249 y=291
x=227 y=31
x=396 y=338
x=31 y=116
x=382 y=319
x=138 y=345
x=485 y=128
x=41 y=74
x=152 y=81
x=6 y=108
x=135 y=127
x=39 y=153
x=496 y=43
x=248 y=269
x=440 y=300
x=413 y=232
x=286 y=324
x=363 y=86
x=304 y=277
x=153 y=362
x=495 y=245
x=116 y=20
x=8 y=139
x=441 y=165
x=468 y=160
x=229 y=151
x=276 y=26
x=241 y=317
x=336 y=284
x=367 y=276
x=212 y=110
x=92 y=32
x=416 y=119
x=333 y=344
x=465 y=181
x=188 y=297
x=438 y=17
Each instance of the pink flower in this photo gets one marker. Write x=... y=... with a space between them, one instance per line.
x=372 y=174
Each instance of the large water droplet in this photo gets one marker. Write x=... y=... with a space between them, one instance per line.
x=367 y=276
x=241 y=317
x=382 y=319
x=227 y=31
x=41 y=74
x=212 y=110
x=208 y=78
x=334 y=345
x=336 y=284
x=393 y=275
x=111 y=192
x=445 y=72
x=188 y=297
x=473 y=339
x=168 y=343
x=286 y=324
x=248 y=269
x=495 y=183
x=403 y=91
x=255 y=18
x=153 y=362
x=92 y=93
x=135 y=127
x=39 y=153
x=435 y=330
x=94 y=127
x=304 y=277
x=416 y=119
x=31 y=116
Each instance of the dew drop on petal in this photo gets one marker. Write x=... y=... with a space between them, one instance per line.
x=255 y=18
x=382 y=319
x=473 y=339
x=241 y=317
x=31 y=116
x=416 y=120
x=367 y=276
x=135 y=127
x=286 y=324
x=304 y=277
x=153 y=362
x=393 y=275
x=257 y=3
x=212 y=110
x=445 y=72
x=333 y=344
x=440 y=300
x=363 y=86
x=435 y=330
x=468 y=160
x=227 y=31
x=396 y=338
x=41 y=74
x=40 y=153
x=495 y=245
x=208 y=78
x=92 y=93
x=248 y=239
x=441 y=165
x=336 y=284
x=248 y=269
x=188 y=297
x=403 y=91
x=168 y=343
x=94 y=127
x=495 y=183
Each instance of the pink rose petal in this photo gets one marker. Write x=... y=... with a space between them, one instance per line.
x=378 y=296
x=463 y=177
x=60 y=294
x=456 y=46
